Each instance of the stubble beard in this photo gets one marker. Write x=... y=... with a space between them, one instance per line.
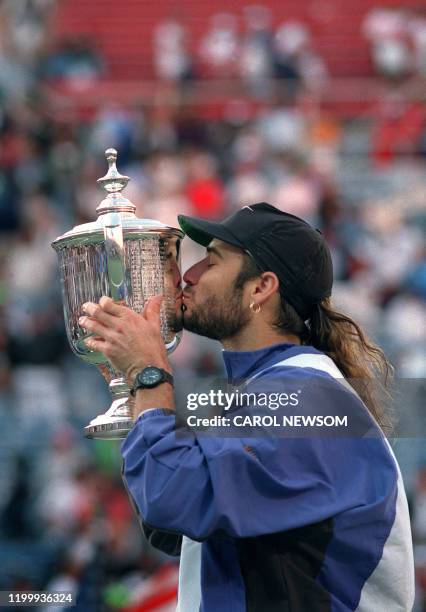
x=176 y=322
x=217 y=319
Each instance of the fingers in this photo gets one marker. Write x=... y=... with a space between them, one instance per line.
x=102 y=317
x=106 y=304
x=96 y=312
x=107 y=308
x=95 y=344
x=94 y=326
x=112 y=323
x=113 y=308
x=152 y=308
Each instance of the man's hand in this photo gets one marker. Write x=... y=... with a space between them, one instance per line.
x=130 y=341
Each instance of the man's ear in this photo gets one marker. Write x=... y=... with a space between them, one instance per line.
x=267 y=284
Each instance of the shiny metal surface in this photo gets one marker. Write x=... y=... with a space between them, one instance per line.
x=130 y=260
x=152 y=266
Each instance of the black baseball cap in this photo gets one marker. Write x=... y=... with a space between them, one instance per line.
x=278 y=242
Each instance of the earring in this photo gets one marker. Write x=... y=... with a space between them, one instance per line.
x=255 y=308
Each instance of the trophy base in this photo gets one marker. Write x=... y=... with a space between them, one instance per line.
x=116 y=430
x=115 y=424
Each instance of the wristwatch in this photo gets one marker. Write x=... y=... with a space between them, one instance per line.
x=150 y=377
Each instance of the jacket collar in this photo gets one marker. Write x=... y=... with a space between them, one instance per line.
x=243 y=364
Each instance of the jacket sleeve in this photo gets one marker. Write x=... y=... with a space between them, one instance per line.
x=200 y=485
x=169 y=543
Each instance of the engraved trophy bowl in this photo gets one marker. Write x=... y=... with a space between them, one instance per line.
x=130 y=260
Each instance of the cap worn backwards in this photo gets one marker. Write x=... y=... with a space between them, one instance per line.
x=278 y=242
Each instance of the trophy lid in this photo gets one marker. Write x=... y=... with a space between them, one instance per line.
x=115 y=202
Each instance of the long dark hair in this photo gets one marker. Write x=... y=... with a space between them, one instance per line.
x=362 y=363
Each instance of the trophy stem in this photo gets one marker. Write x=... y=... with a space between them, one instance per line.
x=117 y=421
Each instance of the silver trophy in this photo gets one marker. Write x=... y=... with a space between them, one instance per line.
x=130 y=260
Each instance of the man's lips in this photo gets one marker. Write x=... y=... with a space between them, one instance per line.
x=185 y=298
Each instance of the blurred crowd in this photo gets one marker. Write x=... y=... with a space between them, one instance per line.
x=253 y=51
x=65 y=520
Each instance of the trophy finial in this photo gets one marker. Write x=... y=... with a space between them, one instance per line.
x=113 y=182
x=111 y=156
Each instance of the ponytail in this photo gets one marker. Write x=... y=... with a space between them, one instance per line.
x=361 y=362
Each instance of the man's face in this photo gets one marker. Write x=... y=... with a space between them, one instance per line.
x=213 y=302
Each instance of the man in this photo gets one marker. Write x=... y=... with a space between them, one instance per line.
x=264 y=523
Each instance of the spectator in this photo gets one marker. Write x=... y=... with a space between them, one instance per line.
x=27 y=20
x=203 y=187
x=256 y=56
x=296 y=59
x=399 y=129
x=219 y=48
x=386 y=29
x=171 y=57
x=74 y=61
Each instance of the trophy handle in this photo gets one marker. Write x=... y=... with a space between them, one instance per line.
x=110 y=211
x=114 y=248
x=117 y=421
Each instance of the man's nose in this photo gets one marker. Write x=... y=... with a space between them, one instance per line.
x=192 y=275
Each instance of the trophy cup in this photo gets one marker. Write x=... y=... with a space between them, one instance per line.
x=130 y=260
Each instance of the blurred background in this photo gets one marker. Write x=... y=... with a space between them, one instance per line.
x=317 y=107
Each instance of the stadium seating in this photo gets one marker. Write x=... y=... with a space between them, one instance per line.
x=125 y=38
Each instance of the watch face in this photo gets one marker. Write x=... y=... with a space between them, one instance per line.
x=150 y=376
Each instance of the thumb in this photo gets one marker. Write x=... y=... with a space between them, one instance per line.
x=151 y=312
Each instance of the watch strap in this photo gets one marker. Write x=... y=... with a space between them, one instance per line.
x=166 y=377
